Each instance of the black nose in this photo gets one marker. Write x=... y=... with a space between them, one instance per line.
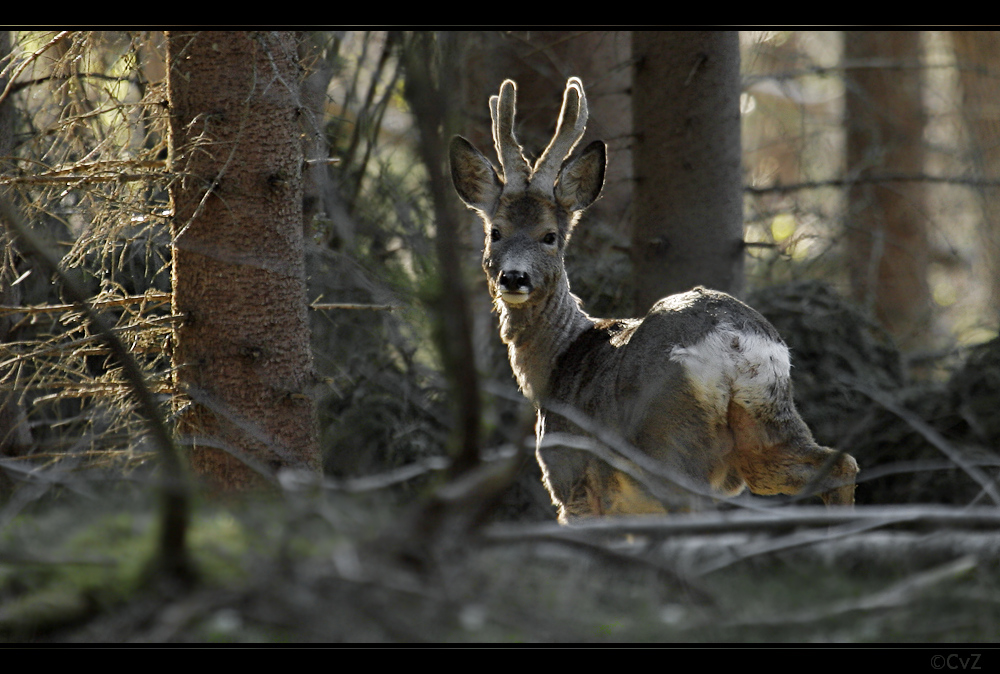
x=513 y=281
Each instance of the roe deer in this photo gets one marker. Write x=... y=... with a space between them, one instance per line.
x=700 y=386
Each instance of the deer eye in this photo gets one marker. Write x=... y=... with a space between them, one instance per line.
x=549 y=239
x=495 y=234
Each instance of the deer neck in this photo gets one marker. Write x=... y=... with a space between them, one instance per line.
x=536 y=335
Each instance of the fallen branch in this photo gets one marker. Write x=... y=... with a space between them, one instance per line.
x=771 y=520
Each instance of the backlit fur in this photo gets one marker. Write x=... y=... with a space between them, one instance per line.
x=700 y=386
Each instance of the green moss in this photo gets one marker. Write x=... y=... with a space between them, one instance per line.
x=62 y=565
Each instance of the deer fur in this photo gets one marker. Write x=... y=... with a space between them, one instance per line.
x=650 y=415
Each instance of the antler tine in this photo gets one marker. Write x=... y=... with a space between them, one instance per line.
x=569 y=131
x=515 y=166
x=494 y=105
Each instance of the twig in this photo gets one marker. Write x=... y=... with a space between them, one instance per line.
x=24 y=84
x=772 y=520
x=617 y=452
x=873 y=180
x=430 y=77
x=372 y=307
x=846 y=66
x=152 y=297
x=82 y=453
x=903 y=467
x=77 y=180
x=74 y=390
x=382 y=480
x=59 y=37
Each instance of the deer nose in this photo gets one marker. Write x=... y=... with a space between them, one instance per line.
x=515 y=281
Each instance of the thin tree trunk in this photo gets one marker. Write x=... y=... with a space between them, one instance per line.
x=242 y=353
x=430 y=104
x=15 y=436
x=688 y=176
x=887 y=239
x=323 y=209
x=978 y=56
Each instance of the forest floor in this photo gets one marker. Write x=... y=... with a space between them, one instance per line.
x=331 y=569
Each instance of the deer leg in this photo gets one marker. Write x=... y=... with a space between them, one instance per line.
x=573 y=484
x=779 y=456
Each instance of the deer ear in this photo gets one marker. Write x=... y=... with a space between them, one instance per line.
x=582 y=178
x=475 y=180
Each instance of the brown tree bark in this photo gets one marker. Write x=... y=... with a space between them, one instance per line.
x=688 y=176
x=242 y=352
x=887 y=244
x=978 y=57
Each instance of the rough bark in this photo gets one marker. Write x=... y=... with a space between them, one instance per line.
x=887 y=248
x=687 y=157
x=242 y=353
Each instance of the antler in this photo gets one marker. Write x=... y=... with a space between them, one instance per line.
x=572 y=123
x=569 y=131
x=515 y=167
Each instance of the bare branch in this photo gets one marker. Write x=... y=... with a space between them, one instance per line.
x=773 y=520
x=372 y=307
x=151 y=296
x=872 y=180
x=59 y=37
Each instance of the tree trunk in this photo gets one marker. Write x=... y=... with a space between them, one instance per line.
x=978 y=57
x=15 y=436
x=324 y=212
x=242 y=353
x=887 y=249
x=688 y=176
x=431 y=103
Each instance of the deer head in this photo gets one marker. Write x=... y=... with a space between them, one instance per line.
x=528 y=212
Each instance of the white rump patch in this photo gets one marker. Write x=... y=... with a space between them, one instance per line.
x=728 y=364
